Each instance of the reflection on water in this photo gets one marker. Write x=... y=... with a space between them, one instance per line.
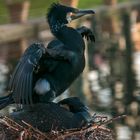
x=109 y=96
x=103 y=94
x=3 y=77
x=123 y=133
x=136 y=66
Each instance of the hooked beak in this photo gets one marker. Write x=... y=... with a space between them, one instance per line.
x=80 y=13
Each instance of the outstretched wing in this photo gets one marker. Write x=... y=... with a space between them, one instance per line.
x=21 y=80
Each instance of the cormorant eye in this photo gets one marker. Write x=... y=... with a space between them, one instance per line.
x=68 y=17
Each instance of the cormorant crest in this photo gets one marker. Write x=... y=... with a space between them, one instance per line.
x=53 y=7
x=58 y=12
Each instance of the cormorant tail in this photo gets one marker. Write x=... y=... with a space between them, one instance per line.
x=5 y=101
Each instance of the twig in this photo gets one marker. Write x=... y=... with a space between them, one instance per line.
x=112 y=120
x=22 y=135
x=29 y=131
x=82 y=131
x=37 y=134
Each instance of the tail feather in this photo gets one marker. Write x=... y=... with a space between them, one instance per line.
x=5 y=101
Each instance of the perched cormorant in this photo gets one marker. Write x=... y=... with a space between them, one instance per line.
x=44 y=73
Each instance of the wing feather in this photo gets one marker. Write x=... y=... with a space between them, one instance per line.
x=21 y=81
x=26 y=91
x=16 y=83
x=30 y=89
x=23 y=88
x=13 y=77
x=20 y=90
x=19 y=76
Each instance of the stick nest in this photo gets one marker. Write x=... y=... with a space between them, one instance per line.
x=11 y=130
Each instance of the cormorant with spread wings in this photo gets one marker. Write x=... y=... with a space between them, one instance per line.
x=44 y=73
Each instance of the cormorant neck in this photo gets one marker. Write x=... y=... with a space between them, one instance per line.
x=71 y=38
x=55 y=27
x=67 y=35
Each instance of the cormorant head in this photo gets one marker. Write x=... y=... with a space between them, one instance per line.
x=73 y=104
x=60 y=15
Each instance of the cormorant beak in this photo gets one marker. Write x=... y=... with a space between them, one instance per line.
x=79 y=13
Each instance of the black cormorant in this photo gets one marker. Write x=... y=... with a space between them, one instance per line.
x=44 y=73
x=54 y=116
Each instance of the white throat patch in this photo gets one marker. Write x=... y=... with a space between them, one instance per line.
x=69 y=19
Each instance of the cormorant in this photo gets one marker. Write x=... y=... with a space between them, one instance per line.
x=44 y=73
x=54 y=116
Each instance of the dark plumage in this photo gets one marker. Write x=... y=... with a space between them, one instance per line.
x=74 y=105
x=47 y=117
x=44 y=73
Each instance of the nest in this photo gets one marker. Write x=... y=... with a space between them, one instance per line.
x=11 y=130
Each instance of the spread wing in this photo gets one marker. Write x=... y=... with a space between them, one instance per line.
x=20 y=84
x=51 y=60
